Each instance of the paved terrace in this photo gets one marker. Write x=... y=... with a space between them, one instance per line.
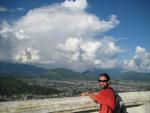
x=136 y=102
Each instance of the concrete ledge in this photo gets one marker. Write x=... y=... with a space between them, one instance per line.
x=73 y=104
x=136 y=100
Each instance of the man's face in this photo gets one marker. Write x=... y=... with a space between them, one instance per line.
x=103 y=82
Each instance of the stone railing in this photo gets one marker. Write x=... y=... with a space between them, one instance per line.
x=136 y=102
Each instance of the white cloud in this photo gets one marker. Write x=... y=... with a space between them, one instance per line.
x=90 y=53
x=139 y=62
x=5 y=29
x=62 y=34
x=75 y=5
x=3 y=9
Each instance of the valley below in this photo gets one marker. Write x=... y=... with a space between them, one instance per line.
x=45 y=88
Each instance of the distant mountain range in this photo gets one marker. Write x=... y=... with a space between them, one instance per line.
x=7 y=67
x=26 y=70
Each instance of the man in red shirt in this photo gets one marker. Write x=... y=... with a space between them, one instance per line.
x=105 y=97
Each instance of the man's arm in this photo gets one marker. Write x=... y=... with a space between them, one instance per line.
x=91 y=95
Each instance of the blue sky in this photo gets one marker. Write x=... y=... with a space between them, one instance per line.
x=120 y=37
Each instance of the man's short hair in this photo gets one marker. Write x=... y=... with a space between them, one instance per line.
x=105 y=75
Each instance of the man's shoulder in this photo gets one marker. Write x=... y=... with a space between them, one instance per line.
x=110 y=88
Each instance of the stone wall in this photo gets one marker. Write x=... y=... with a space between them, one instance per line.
x=136 y=102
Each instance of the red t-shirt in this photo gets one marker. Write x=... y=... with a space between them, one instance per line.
x=106 y=99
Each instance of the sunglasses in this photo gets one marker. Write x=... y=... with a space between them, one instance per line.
x=102 y=80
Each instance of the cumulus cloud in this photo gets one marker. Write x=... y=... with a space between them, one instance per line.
x=27 y=55
x=61 y=35
x=139 y=62
x=7 y=42
x=75 y=5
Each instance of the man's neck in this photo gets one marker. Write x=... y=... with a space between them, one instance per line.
x=105 y=88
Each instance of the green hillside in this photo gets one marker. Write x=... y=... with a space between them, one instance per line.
x=10 y=86
x=63 y=74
